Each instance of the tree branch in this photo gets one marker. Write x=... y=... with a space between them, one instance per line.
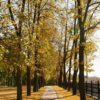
x=44 y=5
x=86 y=11
x=94 y=3
x=90 y=19
x=12 y=17
x=20 y=21
x=92 y=27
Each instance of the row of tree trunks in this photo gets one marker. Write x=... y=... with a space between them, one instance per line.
x=81 y=59
x=37 y=80
x=81 y=65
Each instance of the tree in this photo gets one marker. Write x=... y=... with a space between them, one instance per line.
x=18 y=30
x=82 y=19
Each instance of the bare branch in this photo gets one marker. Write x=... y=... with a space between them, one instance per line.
x=86 y=11
x=12 y=17
x=93 y=14
x=20 y=21
x=94 y=3
x=44 y=5
x=92 y=27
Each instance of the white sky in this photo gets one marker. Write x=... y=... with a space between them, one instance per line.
x=96 y=61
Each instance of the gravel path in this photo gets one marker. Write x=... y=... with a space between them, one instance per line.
x=50 y=94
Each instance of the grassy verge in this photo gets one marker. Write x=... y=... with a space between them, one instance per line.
x=65 y=95
x=35 y=95
x=10 y=94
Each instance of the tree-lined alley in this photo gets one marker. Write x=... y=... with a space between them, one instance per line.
x=46 y=42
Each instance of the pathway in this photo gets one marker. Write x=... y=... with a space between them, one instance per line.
x=49 y=94
x=45 y=93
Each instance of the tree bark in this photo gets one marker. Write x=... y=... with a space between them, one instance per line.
x=69 y=76
x=74 y=83
x=19 y=83
x=35 y=88
x=64 y=60
x=70 y=66
x=81 y=65
x=60 y=77
x=28 y=81
x=59 y=69
x=81 y=49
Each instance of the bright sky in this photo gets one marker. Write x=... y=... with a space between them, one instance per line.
x=96 y=61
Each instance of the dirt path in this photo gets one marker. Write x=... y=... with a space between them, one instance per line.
x=49 y=94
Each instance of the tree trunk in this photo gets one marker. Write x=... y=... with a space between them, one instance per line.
x=36 y=77
x=39 y=80
x=69 y=79
x=64 y=60
x=60 y=77
x=28 y=81
x=35 y=88
x=81 y=21
x=19 y=83
x=43 y=79
x=81 y=64
x=70 y=66
x=74 y=83
x=14 y=77
x=36 y=84
x=8 y=77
